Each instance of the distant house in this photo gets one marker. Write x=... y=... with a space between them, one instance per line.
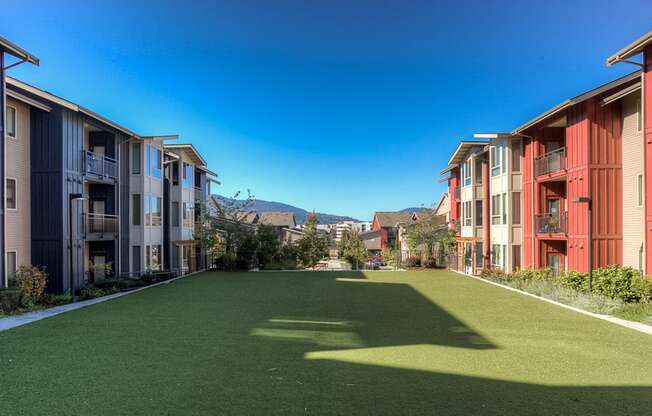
x=371 y=240
x=283 y=222
x=415 y=218
x=387 y=224
x=443 y=207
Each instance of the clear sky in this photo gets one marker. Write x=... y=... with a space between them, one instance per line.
x=345 y=107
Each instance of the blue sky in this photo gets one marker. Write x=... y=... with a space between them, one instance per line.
x=344 y=107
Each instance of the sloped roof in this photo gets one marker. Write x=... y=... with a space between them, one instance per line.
x=371 y=239
x=248 y=217
x=391 y=218
x=277 y=218
x=630 y=50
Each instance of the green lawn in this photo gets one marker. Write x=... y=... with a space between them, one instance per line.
x=430 y=343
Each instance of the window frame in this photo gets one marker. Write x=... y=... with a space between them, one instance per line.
x=135 y=171
x=496 y=213
x=640 y=189
x=15 y=120
x=7 y=179
x=15 y=251
x=137 y=213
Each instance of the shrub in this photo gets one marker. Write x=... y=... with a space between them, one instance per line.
x=617 y=282
x=413 y=261
x=574 y=280
x=9 y=300
x=494 y=274
x=50 y=300
x=121 y=284
x=532 y=274
x=30 y=281
x=643 y=287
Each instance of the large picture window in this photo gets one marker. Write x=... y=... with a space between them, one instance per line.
x=187 y=175
x=157 y=162
x=187 y=215
x=156 y=211
x=496 y=212
x=466 y=174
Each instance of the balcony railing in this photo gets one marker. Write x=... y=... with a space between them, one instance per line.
x=100 y=224
x=551 y=162
x=551 y=223
x=98 y=165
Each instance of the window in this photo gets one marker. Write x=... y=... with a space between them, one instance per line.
x=478 y=171
x=135 y=259
x=478 y=213
x=175 y=173
x=504 y=209
x=639 y=187
x=496 y=258
x=11 y=122
x=639 y=118
x=186 y=258
x=175 y=214
x=495 y=209
x=155 y=258
x=135 y=158
x=516 y=208
x=147 y=157
x=135 y=208
x=12 y=258
x=517 y=152
x=478 y=255
x=187 y=214
x=497 y=158
x=516 y=257
x=11 y=193
x=155 y=208
x=148 y=212
x=187 y=175
x=157 y=162
x=641 y=257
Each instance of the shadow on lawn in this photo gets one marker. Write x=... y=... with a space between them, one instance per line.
x=378 y=314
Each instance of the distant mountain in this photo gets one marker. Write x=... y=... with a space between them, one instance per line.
x=300 y=214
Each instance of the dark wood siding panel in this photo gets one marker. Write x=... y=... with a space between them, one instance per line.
x=124 y=207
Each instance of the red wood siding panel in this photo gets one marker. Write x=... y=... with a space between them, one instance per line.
x=528 y=208
x=647 y=108
x=453 y=183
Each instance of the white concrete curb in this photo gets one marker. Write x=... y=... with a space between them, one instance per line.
x=636 y=326
x=29 y=317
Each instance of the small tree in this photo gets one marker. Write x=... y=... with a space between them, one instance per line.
x=352 y=249
x=427 y=232
x=237 y=240
x=268 y=245
x=312 y=247
x=31 y=282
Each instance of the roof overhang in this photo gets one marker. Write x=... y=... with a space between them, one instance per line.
x=190 y=150
x=448 y=169
x=67 y=104
x=20 y=97
x=621 y=94
x=18 y=52
x=489 y=136
x=576 y=100
x=630 y=50
x=463 y=149
x=208 y=171
x=161 y=138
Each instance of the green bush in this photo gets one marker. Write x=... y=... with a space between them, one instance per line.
x=430 y=263
x=617 y=282
x=121 y=284
x=50 y=300
x=575 y=280
x=643 y=287
x=532 y=274
x=9 y=300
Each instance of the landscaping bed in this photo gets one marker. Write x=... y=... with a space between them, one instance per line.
x=618 y=291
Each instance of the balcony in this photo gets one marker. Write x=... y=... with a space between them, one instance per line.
x=550 y=162
x=101 y=167
x=551 y=223
x=100 y=226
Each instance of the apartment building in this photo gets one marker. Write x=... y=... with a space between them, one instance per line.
x=468 y=183
x=636 y=108
x=15 y=124
x=186 y=195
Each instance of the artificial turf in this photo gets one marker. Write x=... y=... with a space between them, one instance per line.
x=403 y=343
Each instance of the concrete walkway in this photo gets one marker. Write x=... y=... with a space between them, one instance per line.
x=29 y=317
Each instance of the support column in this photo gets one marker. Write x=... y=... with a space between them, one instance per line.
x=646 y=93
x=486 y=215
x=3 y=109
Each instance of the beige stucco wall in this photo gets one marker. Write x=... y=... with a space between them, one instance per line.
x=633 y=214
x=18 y=167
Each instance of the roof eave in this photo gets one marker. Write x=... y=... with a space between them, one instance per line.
x=630 y=50
x=18 y=52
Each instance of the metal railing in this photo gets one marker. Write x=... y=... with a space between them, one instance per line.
x=550 y=162
x=99 y=224
x=551 y=223
x=99 y=165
